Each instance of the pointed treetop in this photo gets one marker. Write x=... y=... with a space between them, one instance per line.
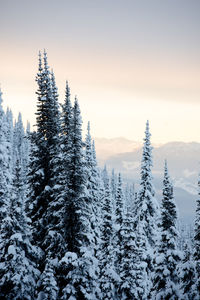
x=20 y=117
x=165 y=168
x=88 y=140
x=167 y=179
x=54 y=87
x=147 y=133
x=28 y=127
x=45 y=61
x=88 y=128
x=9 y=116
x=1 y=100
x=67 y=91
x=77 y=111
x=119 y=178
x=147 y=151
x=52 y=74
x=76 y=102
x=40 y=62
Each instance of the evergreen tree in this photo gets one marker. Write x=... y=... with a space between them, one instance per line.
x=9 y=136
x=128 y=266
x=18 y=272
x=80 y=280
x=48 y=283
x=197 y=241
x=147 y=205
x=119 y=215
x=19 y=143
x=113 y=187
x=141 y=283
x=93 y=188
x=147 y=208
x=187 y=274
x=44 y=174
x=109 y=278
x=5 y=175
x=165 y=277
x=43 y=157
x=20 y=152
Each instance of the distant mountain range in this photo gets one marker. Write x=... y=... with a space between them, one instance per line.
x=183 y=160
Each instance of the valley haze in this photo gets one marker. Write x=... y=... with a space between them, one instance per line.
x=124 y=156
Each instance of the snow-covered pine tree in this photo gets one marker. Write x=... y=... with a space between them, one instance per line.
x=197 y=241
x=45 y=142
x=9 y=134
x=66 y=144
x=129 y=193
x=141 y=282
x=93 y=189
x=40 y=159
x=99 y=194
x=54 y=237
x=79 y=258
x=18 y=270
x=128 y=266
x=19 y=143
x=166 y=283
x=44 y=170
x=67 y=153
x=118 y=237
x=113 y=187
x=147 y=209
x=48 y=284
x=109 y=278
x=187 y=274
x=104 y=176
x=5 y=175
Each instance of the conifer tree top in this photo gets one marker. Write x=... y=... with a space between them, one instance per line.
x=1 y=100
x=67 y=91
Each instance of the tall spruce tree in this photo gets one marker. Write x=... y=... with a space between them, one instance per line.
x=78 y=262
x=147 y=209
x=43 y=179
x=165 y=277
x=93 y=188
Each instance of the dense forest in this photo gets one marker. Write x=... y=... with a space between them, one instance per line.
x=69 y=230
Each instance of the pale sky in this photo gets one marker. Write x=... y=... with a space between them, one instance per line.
x=127 y=61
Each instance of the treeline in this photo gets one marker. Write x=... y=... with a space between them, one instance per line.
x=69 y=230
